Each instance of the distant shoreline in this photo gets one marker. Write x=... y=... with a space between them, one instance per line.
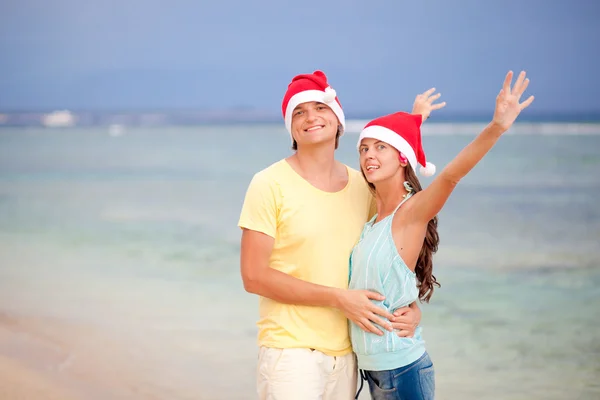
x=353 y=127
x=148 y=118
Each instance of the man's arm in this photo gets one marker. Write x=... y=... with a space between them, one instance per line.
x=259 y=278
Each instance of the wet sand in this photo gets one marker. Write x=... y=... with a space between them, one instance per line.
x=50 y=359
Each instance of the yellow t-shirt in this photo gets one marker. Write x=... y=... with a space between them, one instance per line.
x=314 y=233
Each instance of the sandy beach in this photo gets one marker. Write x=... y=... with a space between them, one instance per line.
x=48 y=359
x=19 y=382
x=69 y=335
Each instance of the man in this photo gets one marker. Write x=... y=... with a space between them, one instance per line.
x=300 y=219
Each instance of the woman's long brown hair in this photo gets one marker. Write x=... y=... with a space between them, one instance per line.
x=424 y=268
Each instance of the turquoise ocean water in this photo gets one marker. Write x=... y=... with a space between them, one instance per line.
x=133 y=240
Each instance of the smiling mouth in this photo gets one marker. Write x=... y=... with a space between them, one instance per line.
x=372 y=168
x=314 y=128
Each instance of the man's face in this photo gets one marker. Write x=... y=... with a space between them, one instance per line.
x=313 y=123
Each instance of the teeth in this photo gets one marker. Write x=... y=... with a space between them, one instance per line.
x=313 y=128
x=372 y=167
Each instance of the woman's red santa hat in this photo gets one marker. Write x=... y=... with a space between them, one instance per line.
x=306 y=88
x=402 y=131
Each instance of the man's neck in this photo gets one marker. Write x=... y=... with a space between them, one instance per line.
x=316 y=161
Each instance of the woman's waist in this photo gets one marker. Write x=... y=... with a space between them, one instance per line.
x=370 y=343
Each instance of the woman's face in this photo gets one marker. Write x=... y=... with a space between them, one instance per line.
x=378 y=160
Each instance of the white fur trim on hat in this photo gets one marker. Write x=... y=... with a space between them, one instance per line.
x=314 y=95
x=392 y=138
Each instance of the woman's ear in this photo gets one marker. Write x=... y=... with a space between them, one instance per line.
x=403 y=160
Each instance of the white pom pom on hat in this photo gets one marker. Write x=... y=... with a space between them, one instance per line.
x=329 y=95
x=427 y=170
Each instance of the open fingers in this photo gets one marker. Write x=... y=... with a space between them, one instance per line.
x=438 y=106
x=518 y=87
x=507 y=82
x=526 y=103
x=428 y=93
x=522 y=88
x=434 y=98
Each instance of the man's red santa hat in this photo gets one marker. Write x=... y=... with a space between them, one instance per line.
x=306 y=88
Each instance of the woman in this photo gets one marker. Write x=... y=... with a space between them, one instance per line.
x=394 y=253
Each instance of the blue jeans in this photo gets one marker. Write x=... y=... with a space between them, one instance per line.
x=414 y=381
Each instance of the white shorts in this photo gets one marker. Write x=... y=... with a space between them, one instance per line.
x=305 y=374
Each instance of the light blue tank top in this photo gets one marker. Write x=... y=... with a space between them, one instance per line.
x=376 y=265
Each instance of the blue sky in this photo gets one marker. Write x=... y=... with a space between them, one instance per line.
x=152 y=54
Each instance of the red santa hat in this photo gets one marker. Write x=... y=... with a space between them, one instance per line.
x=402 y=131
x=310 y=87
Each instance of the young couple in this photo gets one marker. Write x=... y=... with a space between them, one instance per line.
x=323 y=244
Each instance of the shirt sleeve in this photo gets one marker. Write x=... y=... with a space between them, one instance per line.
x=260 y=209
